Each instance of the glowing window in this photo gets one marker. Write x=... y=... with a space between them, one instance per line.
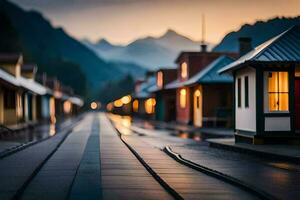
x=182 y=98
x=184 y=70
x=135 y=105
x=67 y=107
x=159 y=79
x=278 y=91
x=150 y=105
x=197 y=95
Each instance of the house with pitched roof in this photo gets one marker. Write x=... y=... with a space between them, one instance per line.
x=22 y=99
x=267 y=91
x=190 y=64
x=165 y=109
x=144 y=103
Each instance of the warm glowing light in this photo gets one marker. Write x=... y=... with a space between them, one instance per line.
x=126 y=99
x=94 y=105
x=150 y=105
x=57 y=94
x=109 y=107
x=197 y=108
x=118 y=103
x=67 y=107
x=183 y=135
x=197 y=93
x=278 y=91
x=159 y=80
x=135 y=105
x=52 y=110
x=126 y=123
x=182 y=98
x=52 y=129
x=184 y=70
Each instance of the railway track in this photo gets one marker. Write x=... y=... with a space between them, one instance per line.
x=222 y=179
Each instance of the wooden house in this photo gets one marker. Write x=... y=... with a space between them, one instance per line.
x=143 y=104
x=165 y=109
x=211 y=99
x=267 y=91
x=189 y=64
x=10 y=93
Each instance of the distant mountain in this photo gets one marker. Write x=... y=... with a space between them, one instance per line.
x=57 y=53
x=151 y=52
x=259 y=32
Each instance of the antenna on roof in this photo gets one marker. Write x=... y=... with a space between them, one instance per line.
x=203 y=45
x=203 y=29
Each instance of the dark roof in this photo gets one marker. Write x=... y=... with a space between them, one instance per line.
x=206 y=53
x=282 y=48
x=10 y=58
x=208 y=75
x=29 y=68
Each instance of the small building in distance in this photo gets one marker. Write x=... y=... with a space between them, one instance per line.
x=165 y=109
x=23 y=100
x=212 y=96
x=189 y=64
x=144 y=103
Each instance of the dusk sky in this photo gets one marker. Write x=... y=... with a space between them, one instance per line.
x=122 y=21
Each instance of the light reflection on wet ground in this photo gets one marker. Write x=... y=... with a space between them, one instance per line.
x=128 y=126
x=34 y=134
x=124 y=125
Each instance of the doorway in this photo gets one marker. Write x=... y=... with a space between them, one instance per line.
x=197 y=108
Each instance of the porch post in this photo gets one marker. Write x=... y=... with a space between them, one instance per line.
x=292 y=97
x=234 y=102
x=260 y=121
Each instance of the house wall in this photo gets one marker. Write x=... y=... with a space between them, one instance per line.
x=160 y=107
x=165 y=109
x=33 y=108
x=197 y=63
x=183 y=115
x=12 y=116
x=45 y=106
x=245 y=118
x=25 y=107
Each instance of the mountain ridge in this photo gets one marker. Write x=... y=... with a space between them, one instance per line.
x=45 y=44
x=259 y=31
x=149 y=51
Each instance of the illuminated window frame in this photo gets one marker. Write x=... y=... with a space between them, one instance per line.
x=184 y=70
x=182 y=98
x=160 y=80
x=278 y=95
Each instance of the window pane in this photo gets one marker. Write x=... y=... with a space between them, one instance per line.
x=239 y=93
x=182 y=98
x=246 y=91
x=283 y=82
x=273 y=82
x=283 y=102
x=184 y=70
x=273 y=101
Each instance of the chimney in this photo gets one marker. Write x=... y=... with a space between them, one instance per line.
x=203 y=47
x=245 y=45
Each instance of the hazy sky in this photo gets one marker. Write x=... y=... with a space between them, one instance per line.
x=121 y=21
